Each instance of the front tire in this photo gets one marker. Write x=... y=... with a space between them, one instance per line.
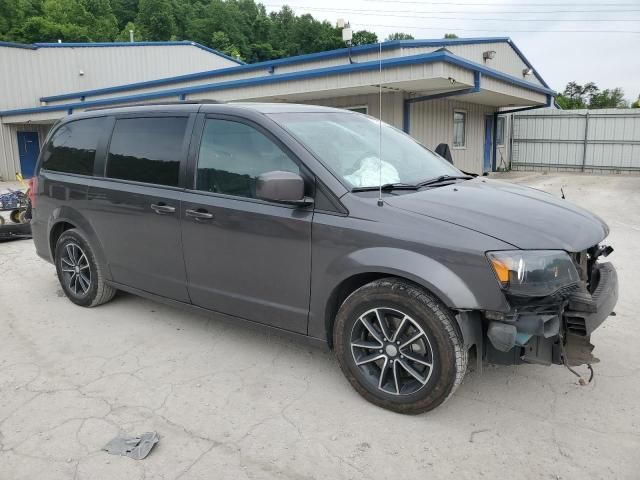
x=80 y=275
x=399 y=346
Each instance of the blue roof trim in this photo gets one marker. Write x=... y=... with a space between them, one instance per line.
x=440 y=56
x=35 y=46
x=17 y=45
x=342 y=52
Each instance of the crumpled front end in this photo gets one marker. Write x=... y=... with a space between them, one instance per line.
x=556 y=329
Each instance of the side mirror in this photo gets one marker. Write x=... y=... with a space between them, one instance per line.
x=283 y=187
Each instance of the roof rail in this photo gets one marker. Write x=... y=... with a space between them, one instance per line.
x=157 y=104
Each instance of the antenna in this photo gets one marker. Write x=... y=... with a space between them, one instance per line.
x=380 y=202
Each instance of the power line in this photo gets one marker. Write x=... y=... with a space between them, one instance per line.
x=389 y=14
x=552 y=4
x=456 y=29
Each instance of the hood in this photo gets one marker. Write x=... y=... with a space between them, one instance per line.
x=522 y=216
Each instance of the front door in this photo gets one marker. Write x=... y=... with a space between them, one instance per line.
x=245 y=257
x=488 y=142
x=28 y=150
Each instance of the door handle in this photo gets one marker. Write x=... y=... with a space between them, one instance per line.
x=199 y=214
x=162 y=209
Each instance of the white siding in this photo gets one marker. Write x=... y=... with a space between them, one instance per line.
x=391 y=105
x=432 y=123
x=506 y=59
x=31 y=74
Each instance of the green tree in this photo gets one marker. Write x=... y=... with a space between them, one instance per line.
x=636 y=104
x=450 y=35
x=576 y=96
x=236 y=27
x=220 y=41
x=124 y=36
x=71 y=21
x=155 y=20
x=399 y=36
x=13 y=14
x=364 y=37
x=608 y=99
x=125 y=11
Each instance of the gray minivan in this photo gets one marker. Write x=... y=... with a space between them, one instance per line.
x=328 y=225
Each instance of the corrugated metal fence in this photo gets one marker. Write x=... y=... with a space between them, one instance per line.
x=595 y=141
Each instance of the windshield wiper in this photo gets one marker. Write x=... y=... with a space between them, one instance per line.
x=386 y=187
x=443 y=178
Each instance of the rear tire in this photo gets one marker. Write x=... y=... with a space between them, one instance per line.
x=399 y=346
x=80 y=275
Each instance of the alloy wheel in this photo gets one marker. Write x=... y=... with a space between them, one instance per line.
x=75 y=267
x=392 y=351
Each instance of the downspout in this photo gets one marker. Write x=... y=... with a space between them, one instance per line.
x=406 y=110
x=494 y=147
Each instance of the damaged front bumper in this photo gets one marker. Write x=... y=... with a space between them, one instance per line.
x=558 y=330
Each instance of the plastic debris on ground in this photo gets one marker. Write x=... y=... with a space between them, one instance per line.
x=134 y=447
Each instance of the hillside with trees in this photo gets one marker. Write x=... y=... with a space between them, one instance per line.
x=240 y=28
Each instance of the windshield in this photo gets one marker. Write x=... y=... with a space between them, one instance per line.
x=349 y=145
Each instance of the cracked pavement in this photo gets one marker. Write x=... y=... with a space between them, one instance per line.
x=235 y=403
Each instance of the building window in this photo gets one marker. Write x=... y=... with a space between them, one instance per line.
x=500 y=131
x=459 y=129
x=147 y=150
x=232 y=157
x=359 y=108
x=73 y=147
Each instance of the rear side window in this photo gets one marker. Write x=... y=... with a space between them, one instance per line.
x=72 y=149
x=147 y=150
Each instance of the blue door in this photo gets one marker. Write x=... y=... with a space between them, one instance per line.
x=488 y=140
x=28 y=149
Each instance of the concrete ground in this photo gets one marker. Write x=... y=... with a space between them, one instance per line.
x=233 y=403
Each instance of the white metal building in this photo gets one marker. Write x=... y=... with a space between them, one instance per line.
x=440 y=91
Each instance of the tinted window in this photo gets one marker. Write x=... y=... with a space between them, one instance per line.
x=72 y=149
x=147 y=149
x=232 y=155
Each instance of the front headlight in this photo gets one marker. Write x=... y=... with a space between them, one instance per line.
x=533 y=273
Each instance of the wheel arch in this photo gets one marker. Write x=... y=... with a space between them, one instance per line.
x=65 y=218
x=376 y=263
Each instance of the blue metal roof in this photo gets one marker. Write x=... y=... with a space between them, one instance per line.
x=35 y=46
x=439 y=56
x=342 y=52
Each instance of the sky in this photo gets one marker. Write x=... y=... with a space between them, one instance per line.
x=565 y=40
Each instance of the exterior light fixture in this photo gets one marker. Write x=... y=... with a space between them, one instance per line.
x=488 y=55
x=527 y=71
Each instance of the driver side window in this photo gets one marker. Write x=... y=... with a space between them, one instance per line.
x=233 y=155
